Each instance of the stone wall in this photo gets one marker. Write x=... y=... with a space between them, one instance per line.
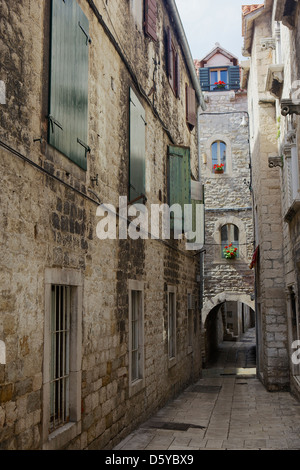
x=271 y=310
x=48 y=222
x=227 y=199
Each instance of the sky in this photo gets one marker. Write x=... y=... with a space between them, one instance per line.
x=206 y=22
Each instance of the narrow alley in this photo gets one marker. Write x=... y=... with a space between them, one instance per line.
x=227 y=409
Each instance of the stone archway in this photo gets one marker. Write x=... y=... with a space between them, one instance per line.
x=222 y=297
x=215 y=324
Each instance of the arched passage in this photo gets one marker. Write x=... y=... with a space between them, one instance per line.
x=226 y=318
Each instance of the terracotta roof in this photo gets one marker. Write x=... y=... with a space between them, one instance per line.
x=246 y=9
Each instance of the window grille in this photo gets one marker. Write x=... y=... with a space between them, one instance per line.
x=172 y=325
x=60 y=355
x=136 y=334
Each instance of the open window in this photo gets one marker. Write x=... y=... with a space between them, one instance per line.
x=230 y=239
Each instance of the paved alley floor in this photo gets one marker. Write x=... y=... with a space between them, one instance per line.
x=228 y=408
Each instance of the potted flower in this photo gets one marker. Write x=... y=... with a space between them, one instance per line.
x=219 y=168
x=220 y=85
x=230 y=252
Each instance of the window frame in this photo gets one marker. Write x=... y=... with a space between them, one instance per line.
x=68 y=431
x=219 y=160
x=190 y=320
x=213 y=87
x=137 y=384
x=173 y=64
x=172 y=334
x=235 y=243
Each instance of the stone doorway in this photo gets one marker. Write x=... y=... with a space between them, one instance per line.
x=230 y=337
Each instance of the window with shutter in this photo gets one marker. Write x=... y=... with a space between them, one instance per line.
x=151 y=19
x=173 y=63
x=179 y=183
x=190 y=107
x=137 y=148
x=68 y=101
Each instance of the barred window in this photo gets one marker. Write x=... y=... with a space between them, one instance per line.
x=60 y=356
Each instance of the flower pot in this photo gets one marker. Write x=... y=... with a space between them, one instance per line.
x=219 y=171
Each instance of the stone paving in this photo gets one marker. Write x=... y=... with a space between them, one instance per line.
x=228 y=408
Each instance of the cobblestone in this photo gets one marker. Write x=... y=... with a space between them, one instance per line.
x=231 y=408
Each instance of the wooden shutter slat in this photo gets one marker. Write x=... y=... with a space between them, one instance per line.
x=170 y=61
x=137 y=148
x=234 y=77
x=178 y=76
x=151 y=18
x=190 y=106
x=179 y=180
x=204 y=78
x=69 y=80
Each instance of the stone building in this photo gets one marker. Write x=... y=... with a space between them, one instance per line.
x=271 y=75
x=99 y=100
x=228 y=309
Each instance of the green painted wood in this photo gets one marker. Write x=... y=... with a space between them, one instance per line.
x=179 y=182
x=204 y=78
x=137 y=148
x=69 y=80
x=234 y=77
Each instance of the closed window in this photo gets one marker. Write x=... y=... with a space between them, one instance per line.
x=179 y=185
x=137 y=143
x=230 y=238
x=151 y=19
x=136 y=336
x=173 y=65
x=62 y=357
x=68 y=100
x=218 y=156
x=190 y=107
x=171 y=323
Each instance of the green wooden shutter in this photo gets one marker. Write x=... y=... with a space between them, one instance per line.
x=179 y=182
x=68 y=107
x=204 y=78
x=137 y=148
x=197 y=197
x=234 y=77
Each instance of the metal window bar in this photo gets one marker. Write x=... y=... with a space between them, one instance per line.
x=60 y=356
x=171 y=325
x=135 y=335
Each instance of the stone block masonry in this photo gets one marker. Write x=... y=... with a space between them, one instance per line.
x=48 y=235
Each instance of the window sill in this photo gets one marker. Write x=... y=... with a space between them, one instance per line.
x=61 y=436
x=136 y=386
x=172 y=362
